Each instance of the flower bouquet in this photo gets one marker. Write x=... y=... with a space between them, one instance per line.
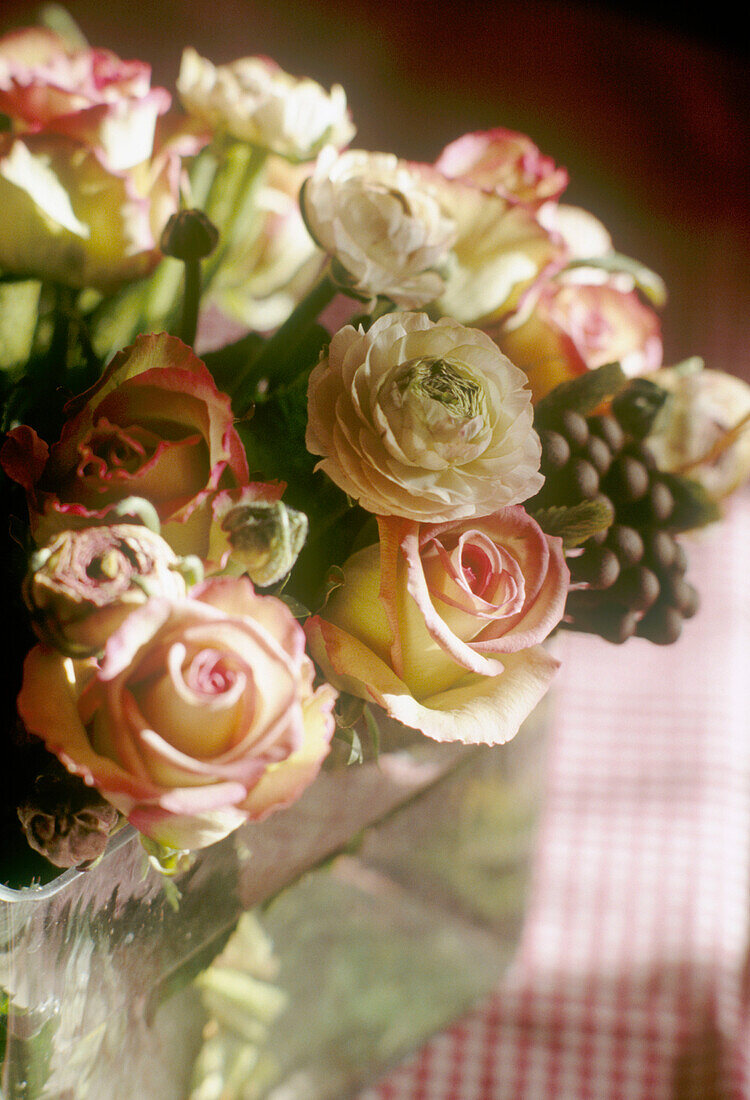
x=304 y=447
x=298 y=435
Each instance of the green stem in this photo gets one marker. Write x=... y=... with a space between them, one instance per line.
x=190 y=302
x=231 y=200
x=271 y=361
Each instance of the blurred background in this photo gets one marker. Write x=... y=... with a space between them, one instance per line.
x=647 y=106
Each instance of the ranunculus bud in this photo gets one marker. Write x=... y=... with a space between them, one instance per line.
x=82 y=584
x=189 y=235
x=265 y=538
x=66 y=821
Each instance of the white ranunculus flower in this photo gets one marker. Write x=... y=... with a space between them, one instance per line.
x=428 y=421
x=256 y=101
x=382 y=220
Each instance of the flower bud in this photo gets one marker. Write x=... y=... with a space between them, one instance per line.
x=66 y=821
x=82 y=584
x=265 y=538
x=189 y=235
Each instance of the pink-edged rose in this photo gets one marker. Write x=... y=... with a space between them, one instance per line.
x=505 y=163
x=90 y=95
x=201 y=715
x=441 y=624
x=86 y=181
x=579 y=321
x=153 y=426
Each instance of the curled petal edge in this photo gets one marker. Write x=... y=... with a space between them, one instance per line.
x=480 y=710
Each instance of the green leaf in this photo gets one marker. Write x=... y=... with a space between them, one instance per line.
x=692 y=365
x=637 y=406
x=582 y=394
x=334 y=579
x=349 y=738
x=373 y=729
x=297 y=608
x=19 y=310
x=693 y=505
x=57 y=18
x=648 y=282
x=576 y=523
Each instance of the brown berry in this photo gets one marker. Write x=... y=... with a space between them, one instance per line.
x=574 y=427
x=638 y=588
x=662 y=625
x=597 y=566
x=627 y=479
x=555 y=450
x=626 y=543
x=598 y=454
x=660 y=549
x=607 y=428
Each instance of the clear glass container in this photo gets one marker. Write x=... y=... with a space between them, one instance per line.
x=304 y=955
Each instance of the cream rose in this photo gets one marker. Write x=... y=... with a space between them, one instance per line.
x=423 y=420
x=501 y=250
x=252 y=99
x=382 y=221
x=441 y=623
x=202 y=714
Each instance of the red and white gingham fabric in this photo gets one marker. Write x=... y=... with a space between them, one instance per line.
x=632 y=981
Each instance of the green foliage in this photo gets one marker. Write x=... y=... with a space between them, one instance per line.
x=582 y=394
x=648 y=282
x=576 y=523
x=19 y=310
x=693 y=505
x=637 y=405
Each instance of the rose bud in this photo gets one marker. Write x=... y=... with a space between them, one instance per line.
x=66 y=821
x=82 y=584
x=264 y=538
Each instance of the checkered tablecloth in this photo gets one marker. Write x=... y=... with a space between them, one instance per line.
x=632 y=981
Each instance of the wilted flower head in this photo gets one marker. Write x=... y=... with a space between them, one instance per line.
x=66 y=821
x=252 y=99
x=82 y=584
x=382 y=221
x=421 y=420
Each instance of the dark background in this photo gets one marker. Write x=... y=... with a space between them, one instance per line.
x=648 y=109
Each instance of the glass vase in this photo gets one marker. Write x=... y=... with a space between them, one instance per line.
x=303 y=955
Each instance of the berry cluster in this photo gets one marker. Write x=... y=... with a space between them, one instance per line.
x=632 y=573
